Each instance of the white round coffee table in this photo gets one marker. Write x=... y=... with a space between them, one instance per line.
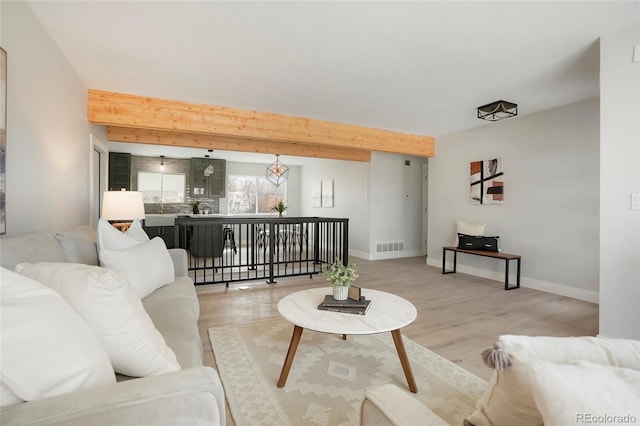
x=387 y=312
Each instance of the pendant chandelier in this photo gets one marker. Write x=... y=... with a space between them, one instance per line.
x=277 y=172
x=209 y=170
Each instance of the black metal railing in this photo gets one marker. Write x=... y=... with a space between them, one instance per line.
x=231 y=249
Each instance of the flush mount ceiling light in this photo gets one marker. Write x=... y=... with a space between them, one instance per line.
x=498 y=110
x=277 y=172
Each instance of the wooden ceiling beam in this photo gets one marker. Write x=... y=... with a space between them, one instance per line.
x=225 y=143
x=123 y=110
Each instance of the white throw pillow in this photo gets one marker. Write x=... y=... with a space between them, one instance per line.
x=110 y=238
x=47 y=349
x=586 y=393
x=111 y=308
x=509 y=400
x=79 y=245
x=7 y=397
x=136 y=232
x=462 y=227
x=147 y=266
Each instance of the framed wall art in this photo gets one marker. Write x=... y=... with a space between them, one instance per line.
x=316 y=194
x=486 y=182
x=327 y=193
x=3 y=140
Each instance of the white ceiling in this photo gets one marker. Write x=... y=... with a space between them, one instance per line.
x=415 y=67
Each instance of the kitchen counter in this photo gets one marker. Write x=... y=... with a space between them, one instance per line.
x=160 y=219
x=169 y=219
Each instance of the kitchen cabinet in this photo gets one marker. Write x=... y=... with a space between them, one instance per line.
x=119 y=171
x=205 y=185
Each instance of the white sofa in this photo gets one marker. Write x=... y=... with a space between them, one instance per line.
x=536 y=380
x=191 y=396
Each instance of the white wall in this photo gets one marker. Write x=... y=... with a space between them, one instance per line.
x=47 y=129
x=381 y=199
x=350 y=192
x=619 y=177
x=550 y=214
x=255 y=169
x=395 y=204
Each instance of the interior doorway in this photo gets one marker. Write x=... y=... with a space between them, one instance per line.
x=98 y=169
x=425 y=206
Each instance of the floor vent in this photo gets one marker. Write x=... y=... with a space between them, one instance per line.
x=387 y=246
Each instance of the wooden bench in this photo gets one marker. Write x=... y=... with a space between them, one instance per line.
x=496 y=255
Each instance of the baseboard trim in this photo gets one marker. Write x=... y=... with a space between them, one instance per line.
x=359 y=254
x=395 y=255
x=388 y=255
x=553 y=288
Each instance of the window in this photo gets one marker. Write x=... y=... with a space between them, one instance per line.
x=159 y=188
x=253 y=194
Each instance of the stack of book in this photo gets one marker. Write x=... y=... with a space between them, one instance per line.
x=349 y=306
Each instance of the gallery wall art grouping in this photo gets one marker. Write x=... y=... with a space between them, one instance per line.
x=322 y=193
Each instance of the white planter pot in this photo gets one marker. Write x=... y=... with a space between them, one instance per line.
x=340 y=293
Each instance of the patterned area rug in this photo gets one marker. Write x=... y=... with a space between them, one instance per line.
x=328 y=377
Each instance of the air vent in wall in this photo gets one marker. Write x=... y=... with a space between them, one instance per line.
x=387 y=246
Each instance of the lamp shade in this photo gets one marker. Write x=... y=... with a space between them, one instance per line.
x=122 y=205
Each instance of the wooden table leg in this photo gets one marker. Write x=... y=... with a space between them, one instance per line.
x=404 y=360
x=288 y=361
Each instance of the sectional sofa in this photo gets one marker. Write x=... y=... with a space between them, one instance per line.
x=191 y=394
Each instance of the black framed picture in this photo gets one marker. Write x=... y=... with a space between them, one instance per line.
x=487 y=182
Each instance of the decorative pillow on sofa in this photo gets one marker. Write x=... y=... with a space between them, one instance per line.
x=111 y=308
x=585 y=393
x=147 y=266
x=466 y=228
x=472 y=242
x=33 y=247
x=509 y=400
x=145 y=263
x=136 y=232
x=47 y=349
x=7 y=397
x=111 y=238
x=79 y=245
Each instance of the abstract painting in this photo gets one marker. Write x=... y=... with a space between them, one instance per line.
x=487 y=182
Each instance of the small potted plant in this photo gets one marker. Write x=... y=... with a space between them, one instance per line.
x=340 y=277
x=280 y=207
x=194 y=207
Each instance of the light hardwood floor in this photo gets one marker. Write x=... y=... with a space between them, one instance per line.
x=458 y=315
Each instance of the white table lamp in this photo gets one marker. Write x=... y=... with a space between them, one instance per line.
x=122 y=206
